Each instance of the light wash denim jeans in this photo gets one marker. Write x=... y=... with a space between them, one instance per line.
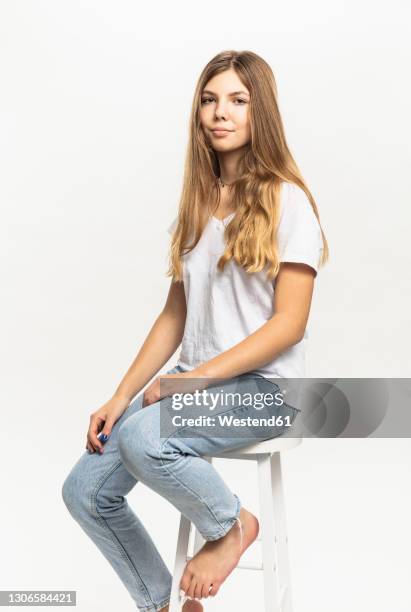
x=94 y=491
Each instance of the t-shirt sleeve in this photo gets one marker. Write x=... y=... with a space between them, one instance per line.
x=172 y=227
x=299 y=232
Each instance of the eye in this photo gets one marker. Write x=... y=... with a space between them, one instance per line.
x=205 y=100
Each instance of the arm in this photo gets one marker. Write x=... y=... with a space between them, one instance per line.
x=292 y=301
x=161 y=343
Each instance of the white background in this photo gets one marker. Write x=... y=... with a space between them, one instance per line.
x=95 y=99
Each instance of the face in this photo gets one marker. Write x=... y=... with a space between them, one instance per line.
x=225 y=103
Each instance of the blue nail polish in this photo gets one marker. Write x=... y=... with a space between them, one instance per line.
x=103 y=437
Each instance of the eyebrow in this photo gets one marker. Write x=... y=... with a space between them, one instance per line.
x=233 y=93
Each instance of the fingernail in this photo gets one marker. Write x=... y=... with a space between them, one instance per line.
x=182 y=594
x=104 y=437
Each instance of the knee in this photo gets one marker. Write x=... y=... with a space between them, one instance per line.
x=70 y=493
x=139 y=444
x=75 y=494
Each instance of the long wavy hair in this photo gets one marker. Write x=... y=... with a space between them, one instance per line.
x=266 y=162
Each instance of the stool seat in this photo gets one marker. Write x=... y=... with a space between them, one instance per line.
x=274 y=445
x=273 y=535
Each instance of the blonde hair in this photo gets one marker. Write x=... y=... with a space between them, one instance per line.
x=266 y=162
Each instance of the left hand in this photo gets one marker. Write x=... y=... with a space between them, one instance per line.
x=152 y=393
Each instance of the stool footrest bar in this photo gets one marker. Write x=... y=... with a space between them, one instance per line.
x=250 y=567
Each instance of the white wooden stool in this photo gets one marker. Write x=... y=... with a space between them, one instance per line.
x=273 y=533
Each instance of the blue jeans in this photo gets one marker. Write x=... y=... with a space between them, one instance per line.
x=94 y=491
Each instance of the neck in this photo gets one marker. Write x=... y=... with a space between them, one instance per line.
x=229 y=165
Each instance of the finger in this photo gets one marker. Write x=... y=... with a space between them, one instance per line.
x=93 y=449
x=89 y=447
x=106 y=431
x=96 y=425
x=93 y=446
x=104 y=437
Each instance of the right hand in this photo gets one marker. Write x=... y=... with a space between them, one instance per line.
x=102 y=421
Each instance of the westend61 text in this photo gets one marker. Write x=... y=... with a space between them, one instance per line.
x=230 y=421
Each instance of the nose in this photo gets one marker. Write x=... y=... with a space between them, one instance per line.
x=221 y=111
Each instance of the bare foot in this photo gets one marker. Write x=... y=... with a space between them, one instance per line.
x=207 y=570
x=191 y=605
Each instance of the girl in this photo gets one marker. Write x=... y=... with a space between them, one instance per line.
x=246 y=247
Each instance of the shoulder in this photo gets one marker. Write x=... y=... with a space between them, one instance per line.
x=293 y=199
x=296 y=209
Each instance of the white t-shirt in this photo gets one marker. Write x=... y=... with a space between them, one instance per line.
x=223 y=308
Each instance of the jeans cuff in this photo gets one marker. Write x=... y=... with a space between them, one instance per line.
x=155 y=607
x=226 y=526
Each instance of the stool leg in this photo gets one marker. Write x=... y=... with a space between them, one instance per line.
x=199 y=541
x=179 y=563
x=183 y=542
x=283 y=563
x=268 y=540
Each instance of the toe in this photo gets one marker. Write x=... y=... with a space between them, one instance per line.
x=192 y=588
x=215 y=587
x=205 y=592
x=185 y=580
x=197 y=590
